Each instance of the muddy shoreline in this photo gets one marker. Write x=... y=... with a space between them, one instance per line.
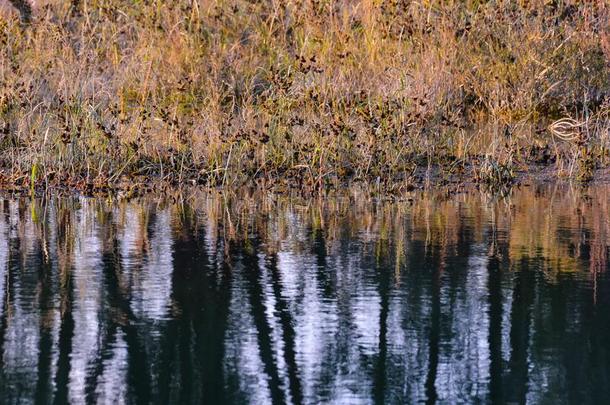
x=441 y=178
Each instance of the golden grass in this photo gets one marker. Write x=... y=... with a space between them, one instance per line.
x=306 y=92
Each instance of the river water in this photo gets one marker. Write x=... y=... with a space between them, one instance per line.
x=214 y=298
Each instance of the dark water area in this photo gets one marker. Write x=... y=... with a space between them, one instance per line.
x=208 y=298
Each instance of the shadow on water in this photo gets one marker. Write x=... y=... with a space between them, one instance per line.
x=215 y=299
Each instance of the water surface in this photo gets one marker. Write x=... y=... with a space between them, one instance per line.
x=207 y=298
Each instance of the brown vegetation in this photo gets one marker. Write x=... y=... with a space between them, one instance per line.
x=307 y=92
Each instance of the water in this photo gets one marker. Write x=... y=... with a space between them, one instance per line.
x=207 y=298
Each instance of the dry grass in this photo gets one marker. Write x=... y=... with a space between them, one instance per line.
x=303 y=92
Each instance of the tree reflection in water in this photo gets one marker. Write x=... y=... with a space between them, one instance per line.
x=220 y=299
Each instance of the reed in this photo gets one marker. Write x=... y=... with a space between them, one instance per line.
x=301 y=93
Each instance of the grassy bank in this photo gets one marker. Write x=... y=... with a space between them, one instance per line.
x=304 y=92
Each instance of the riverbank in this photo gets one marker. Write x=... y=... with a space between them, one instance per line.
x=435 y=180
x=112 y=94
